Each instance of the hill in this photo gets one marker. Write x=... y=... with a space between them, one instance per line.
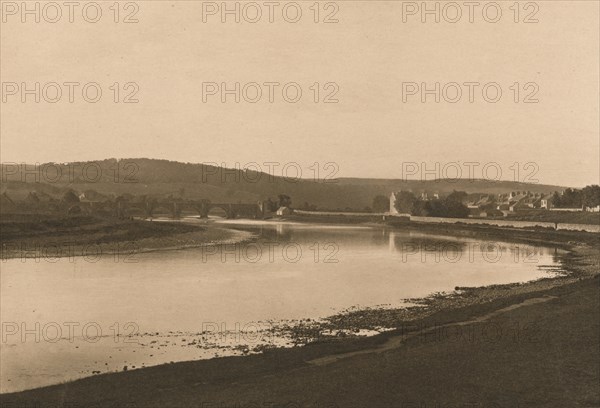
x=162 y=178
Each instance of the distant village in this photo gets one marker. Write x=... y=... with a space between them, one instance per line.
x=501 y=205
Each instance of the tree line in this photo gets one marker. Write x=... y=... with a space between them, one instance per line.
x=588 y=196
x=450 y=206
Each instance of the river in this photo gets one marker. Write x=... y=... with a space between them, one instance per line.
x=77 y=317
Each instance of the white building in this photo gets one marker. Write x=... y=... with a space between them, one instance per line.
x=281 y=211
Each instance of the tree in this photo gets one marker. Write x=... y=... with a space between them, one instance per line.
x=271 y=205
x=591 y=195
x=309 y=207
x=405 y=200
x=381 y=204
x=421 y=208
x=455 y=209
x=70 y=197
x=572 y=198
x=457 y=196
x=284 y=200
x=436 y=208
x=440 y=208
x=556 y=200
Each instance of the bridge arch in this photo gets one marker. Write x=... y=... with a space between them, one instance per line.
x=219 y=211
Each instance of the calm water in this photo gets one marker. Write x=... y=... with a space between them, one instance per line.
x=74 y=318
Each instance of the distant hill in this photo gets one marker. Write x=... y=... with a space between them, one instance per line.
x=162 y=178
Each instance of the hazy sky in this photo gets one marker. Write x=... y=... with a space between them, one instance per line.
x=367 y=55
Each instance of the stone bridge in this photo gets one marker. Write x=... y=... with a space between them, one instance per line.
x=175 y=208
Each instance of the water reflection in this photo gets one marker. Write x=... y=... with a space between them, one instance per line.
x=303 y=271
x=428 y=248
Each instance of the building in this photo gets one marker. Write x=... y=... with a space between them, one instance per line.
x=283 y=211
x=518 y=200
x=546 y=202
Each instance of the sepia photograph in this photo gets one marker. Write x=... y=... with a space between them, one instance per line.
x=299 y=204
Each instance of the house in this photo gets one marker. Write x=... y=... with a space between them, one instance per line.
x=546 y=202
x=483 y=205
x=520 y=200
x=593 y=209
x=479 y=201
x=530 y=201
x=512 y=202
x=282 y=211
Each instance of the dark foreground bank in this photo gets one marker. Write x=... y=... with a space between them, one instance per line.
x=90 y=236
x=532 y=348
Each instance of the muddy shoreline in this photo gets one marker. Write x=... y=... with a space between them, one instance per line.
x=580 y=260
x=577 y=263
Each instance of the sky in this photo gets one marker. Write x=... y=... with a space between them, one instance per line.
x=372 y=61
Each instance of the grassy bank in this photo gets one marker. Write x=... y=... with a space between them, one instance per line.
x=581 y=217
x=90 y=236
x=576 y=217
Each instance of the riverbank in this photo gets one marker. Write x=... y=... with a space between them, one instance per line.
x=569 y=219
x=531 y=234
x=530 y=344
x=91 y=237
